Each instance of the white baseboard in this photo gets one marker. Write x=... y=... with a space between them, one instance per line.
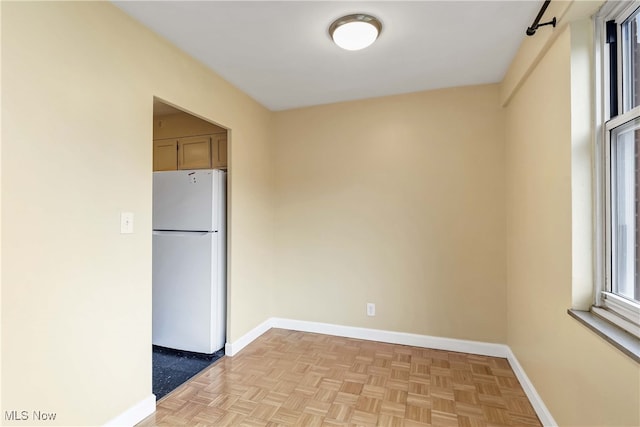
x=135 y=414
x=438 y=343
x=426 y=341
x=536 y=401
x=231 y=349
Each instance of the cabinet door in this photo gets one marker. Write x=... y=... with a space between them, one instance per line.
x=194 y=152
x=165 y=155
x=219 y=151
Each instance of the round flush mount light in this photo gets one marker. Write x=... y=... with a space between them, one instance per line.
x=355 y=32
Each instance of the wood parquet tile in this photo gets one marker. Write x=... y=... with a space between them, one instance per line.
x=288 y=378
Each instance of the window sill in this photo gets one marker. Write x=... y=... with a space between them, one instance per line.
x=616 y=336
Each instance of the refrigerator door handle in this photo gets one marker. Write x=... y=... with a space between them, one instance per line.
x=180 y=233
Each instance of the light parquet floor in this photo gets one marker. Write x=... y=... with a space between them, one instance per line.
x=288 y=378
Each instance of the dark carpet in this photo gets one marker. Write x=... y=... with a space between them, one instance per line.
x=172 y=368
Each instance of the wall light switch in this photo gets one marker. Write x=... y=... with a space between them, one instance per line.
x=126 y=222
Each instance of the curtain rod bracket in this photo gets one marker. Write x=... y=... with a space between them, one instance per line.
x=532 y=30
x=536 y=23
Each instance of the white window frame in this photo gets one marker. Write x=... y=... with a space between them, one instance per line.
x=613 y=308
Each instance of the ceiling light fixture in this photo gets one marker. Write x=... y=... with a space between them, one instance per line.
x=355 y=32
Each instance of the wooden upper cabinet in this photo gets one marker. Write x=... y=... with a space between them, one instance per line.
x=194 y=152
x=184 y=141
x=165 y=154
x=219 y=150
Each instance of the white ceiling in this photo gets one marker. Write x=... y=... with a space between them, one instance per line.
x=279 y=52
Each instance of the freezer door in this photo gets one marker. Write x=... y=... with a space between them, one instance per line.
x=188 y=200
x=187 y=292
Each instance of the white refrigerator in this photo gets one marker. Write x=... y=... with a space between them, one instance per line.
x=189 y=260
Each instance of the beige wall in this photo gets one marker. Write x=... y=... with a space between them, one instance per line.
x=582 y=379
x=397 y=201
x=78 y=81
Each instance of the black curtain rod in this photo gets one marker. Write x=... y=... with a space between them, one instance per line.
x=536 y=24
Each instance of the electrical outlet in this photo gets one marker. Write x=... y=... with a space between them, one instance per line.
x=371 y=309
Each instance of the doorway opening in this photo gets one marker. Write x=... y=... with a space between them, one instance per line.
x=189 y=245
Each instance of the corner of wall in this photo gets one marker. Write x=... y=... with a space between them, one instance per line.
x=533 y=48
